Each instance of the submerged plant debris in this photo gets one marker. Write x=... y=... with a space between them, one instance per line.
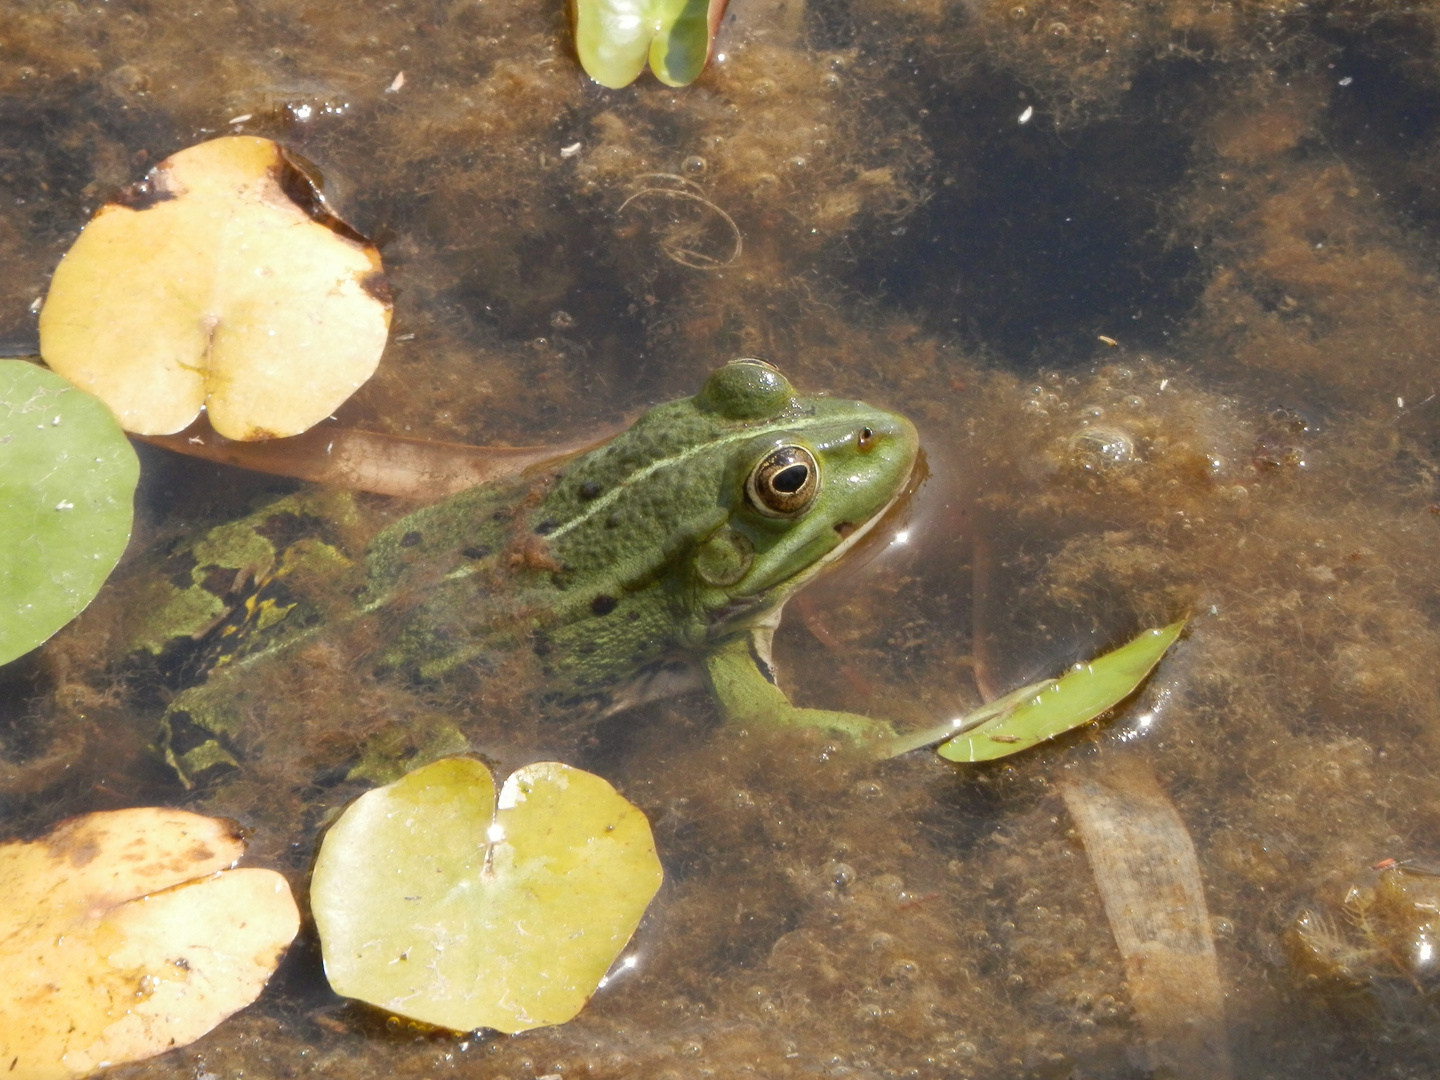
x=1371 y=952
x=1149 y=879
x=1157 y=285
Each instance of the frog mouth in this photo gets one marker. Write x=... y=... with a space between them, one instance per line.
x=852 y=534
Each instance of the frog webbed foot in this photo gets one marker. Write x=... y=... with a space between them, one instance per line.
x=193 y=736
x=860 y=728
x=196 y=755
x=746 y=694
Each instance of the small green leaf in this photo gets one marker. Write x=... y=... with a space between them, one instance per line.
x=1077 y=697
x=614 y=38
x=67 y=483
x=433 y=903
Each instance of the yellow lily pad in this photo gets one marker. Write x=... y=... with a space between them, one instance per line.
x=125 y=934
x=220 y=281
x=437 y=902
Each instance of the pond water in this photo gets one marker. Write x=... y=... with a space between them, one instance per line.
x=1157 y=283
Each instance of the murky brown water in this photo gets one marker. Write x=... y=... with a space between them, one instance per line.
x=1240 y=197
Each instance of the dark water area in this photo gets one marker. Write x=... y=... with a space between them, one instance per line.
x=1032 y=243
x=1156 y=283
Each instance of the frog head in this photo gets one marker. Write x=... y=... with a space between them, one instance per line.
x=697 y=524
x=800 y=488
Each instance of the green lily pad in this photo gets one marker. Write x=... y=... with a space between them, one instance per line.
x=1077 y=697
x=67 y=482
x=615 y=37
x=438 y=903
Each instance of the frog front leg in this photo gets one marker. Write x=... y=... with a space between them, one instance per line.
x=742 y=679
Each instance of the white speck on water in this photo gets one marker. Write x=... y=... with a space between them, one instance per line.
x=570 y=151
x=1027 y=114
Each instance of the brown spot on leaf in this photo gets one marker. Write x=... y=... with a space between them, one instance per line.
x=84 y=853
x=146 y=193
x=301 y=182
x=377 y=288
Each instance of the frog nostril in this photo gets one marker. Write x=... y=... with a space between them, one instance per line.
x=844 y=528
x=865 y=441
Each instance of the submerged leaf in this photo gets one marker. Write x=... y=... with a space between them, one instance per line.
x=614 y=38
x=221 y=281
x=1149 y=880
x=67 y=485
x=1058 y=706
x=437 y=904
x=125 y=934
x=421 y=469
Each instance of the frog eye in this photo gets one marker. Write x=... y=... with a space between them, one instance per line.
x=784 y=483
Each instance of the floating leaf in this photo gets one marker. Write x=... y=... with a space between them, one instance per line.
x=220 y=281
x=615 y=37
x=124 y=934
x=67 y=483
x=1077 y=697
x=435 y=904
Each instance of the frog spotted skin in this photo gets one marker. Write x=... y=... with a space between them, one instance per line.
x=674 y=545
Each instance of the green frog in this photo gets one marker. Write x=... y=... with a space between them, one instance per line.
x=652 y=564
